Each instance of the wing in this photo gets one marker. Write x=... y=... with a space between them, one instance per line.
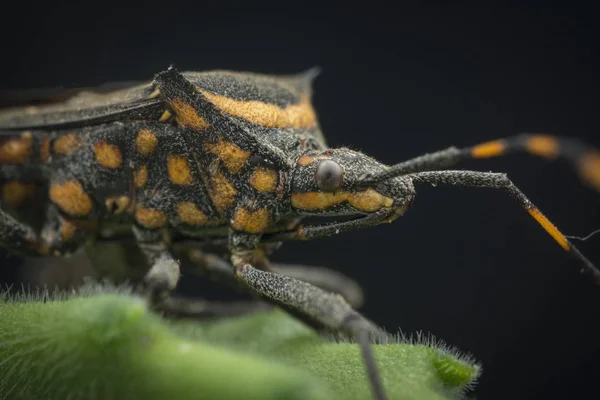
x=69 y=108
x=265 y=101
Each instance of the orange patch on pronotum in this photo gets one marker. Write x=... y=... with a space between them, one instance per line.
x=15 y=192
x=66 y=144
x=140 y=176
x=108 y=155
x=150 y=218
x=190 y=213
x=251 y=221
x=16 y=150
x=264 y=179
x=234 y=158
x=300 y=115
x=179 y=170
x=71 y=198
x=146 y=142
x=187 y=115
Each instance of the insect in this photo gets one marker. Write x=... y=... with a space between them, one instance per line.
x=237 y=159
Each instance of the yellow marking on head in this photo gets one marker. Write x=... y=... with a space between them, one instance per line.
x=589 y=168
x=549 y=227
x=146 y=142
x=16 y=150
x=66 y=144
x=117 y=204
x=543 y=146
x=67 y=229
x=140 y=176
x=165 y=116
x=150 y=218
x=108 y=155
x=233 y=157
x=305 y=159
x=190 y=213
x=264 y=179
x=187 y=115
x=45 y=149
x=368 y=200
x=222 y=192
x=179 y=170
x=14 y=192
x=300 y=115
x=252 y=221
x=488 y=149
x=71 y=198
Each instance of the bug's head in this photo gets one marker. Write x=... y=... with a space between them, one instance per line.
x=329 y=183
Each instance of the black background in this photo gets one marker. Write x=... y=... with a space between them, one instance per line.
x=467 y=265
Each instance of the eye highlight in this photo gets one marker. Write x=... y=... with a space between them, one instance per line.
x=329 y=175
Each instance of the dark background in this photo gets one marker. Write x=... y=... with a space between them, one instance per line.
x=467 y=265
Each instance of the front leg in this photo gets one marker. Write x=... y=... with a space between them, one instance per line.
x=321 y=309
x=164 y=272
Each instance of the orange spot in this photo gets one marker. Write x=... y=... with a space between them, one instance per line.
x=187 y=115
x=264 y=179
x=16 y=150
x=549 y=227
x=222 y=192
x=368 y=200
x=45 y=149
x=150 y=218
x=488 y=149
x=589 y=168
x=305 y=159
x=146 y=142
x=190 y=213
x=67 y=230
x=165 y=116
x=108 y=155
x=71 y=197
x=117 y=204
x=300 y=116
x=140 y=177
x=179 y=170
x=232 y=155
x=15 y=192
x=251 y=221
x=66 y=144
x=543 y=146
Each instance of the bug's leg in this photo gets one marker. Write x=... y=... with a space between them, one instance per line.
x=163 y=275
x=327 y=279
x=58 y=236
x=16 y=235
x=501 y=181
x=583 y=157
x=320 y=309
x=198 y=308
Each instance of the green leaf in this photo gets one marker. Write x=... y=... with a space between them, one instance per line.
x=109 y=346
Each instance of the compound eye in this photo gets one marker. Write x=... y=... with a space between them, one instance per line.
x=329 y=175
